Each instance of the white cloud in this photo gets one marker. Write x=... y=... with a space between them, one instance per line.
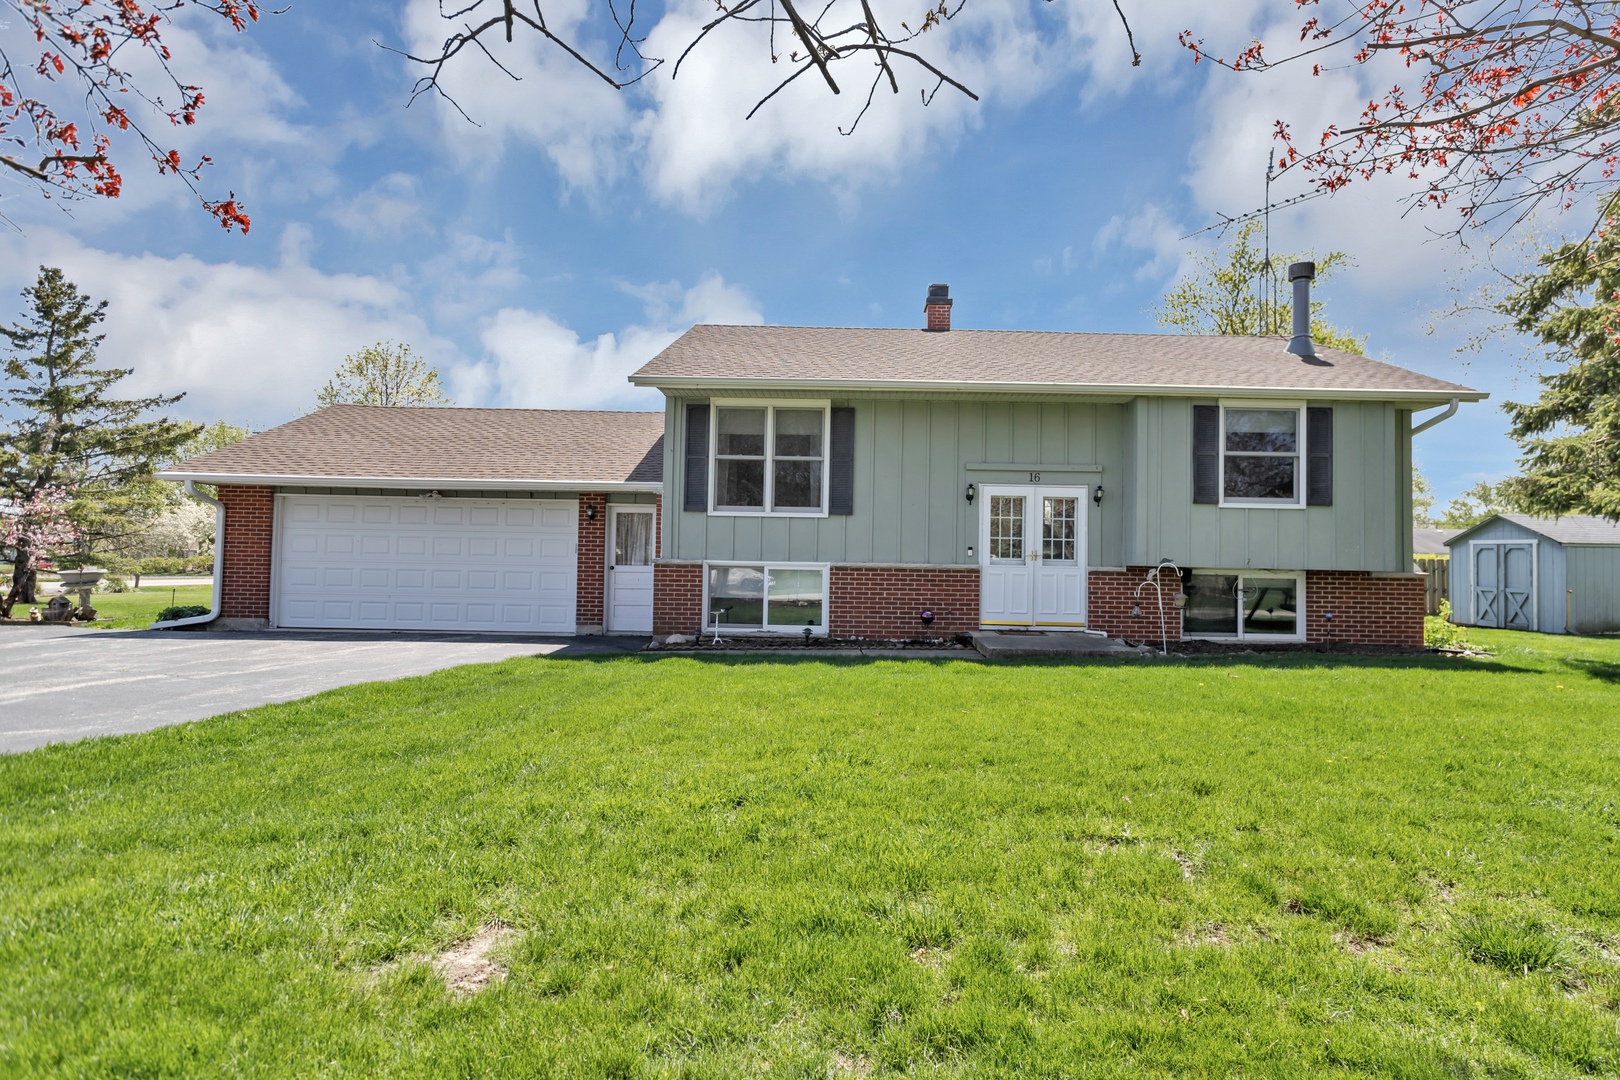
x=553 y=102
x=391 y=207
x=250 y=344
x=537 y=362
x=689 y=137
x=1150 y=230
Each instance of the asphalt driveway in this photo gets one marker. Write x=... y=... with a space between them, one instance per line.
x=69 y=683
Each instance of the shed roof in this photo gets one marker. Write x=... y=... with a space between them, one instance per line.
x=378 y=446
x=1569 y=529
x=1025 y=360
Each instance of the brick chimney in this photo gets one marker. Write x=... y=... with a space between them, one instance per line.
x=937 y=308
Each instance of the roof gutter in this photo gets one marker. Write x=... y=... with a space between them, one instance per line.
x=1446 y=414
x=718 y=384
x=411 y=482
x=219 y=563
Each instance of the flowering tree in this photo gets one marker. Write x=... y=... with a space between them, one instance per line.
x=67 y=86
x=1507 y=105
x=65 y=429
x=38 y=526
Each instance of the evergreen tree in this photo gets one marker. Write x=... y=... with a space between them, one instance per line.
x=1223 y=295
x=1571 y=434
x=383 y=374
x=66 y=431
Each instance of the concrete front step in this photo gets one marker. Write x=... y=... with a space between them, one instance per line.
x=1027 y=644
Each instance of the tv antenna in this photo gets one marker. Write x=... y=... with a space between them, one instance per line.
x=1268 y=292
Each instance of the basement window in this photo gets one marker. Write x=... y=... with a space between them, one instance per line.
x=777 y=598
x=1244 y=607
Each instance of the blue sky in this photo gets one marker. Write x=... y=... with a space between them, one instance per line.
x=541 y=255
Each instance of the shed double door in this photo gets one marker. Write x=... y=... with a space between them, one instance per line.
x=1032 y=556
x=1504 y=581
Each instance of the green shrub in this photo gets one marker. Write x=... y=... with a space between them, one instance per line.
x=1511 y=946
x=184 y=611
x=1439 y=632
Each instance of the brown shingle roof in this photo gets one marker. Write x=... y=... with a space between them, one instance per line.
x=481 y=447
x=1022 y=359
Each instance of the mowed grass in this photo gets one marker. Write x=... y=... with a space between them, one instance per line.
x=1278 y=867
x=135 y=610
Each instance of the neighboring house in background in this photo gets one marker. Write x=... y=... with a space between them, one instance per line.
x=1556 y=575
x=851 y=483
x=1432 y=542
x=367 y=517
x=918 y=483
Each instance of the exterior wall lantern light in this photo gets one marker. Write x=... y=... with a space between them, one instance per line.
x=590 y=512
x=1096 y=496
x=972 y=490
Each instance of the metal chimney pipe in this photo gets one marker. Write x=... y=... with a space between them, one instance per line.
x=1301 y=274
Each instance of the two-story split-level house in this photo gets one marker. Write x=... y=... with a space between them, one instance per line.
x=862 y=483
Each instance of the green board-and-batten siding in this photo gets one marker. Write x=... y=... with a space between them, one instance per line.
x=914 y=457
x=1366 y=528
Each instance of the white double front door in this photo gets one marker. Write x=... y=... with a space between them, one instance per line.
x=630 y=571
x=1032 y=556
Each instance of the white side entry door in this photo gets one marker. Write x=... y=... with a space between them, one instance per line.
x=630 y=571
x=1032 y=556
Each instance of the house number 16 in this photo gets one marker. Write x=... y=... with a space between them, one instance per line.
x=1034 y=477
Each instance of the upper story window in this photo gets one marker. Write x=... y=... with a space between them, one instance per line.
x=1260 y=456
x=770 y=459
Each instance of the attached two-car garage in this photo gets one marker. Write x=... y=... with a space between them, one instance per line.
x=412 y=563
x=359 y=517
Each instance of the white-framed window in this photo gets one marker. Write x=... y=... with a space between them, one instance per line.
x=1262 y=453
x=769 y=457
x=774 y=598
x=1261 y=605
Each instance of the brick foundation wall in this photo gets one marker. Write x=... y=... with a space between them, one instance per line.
x=1113 y=595
x=245 y=568
x=1367 y=609
x=591 y=564
x=677 y=598
x=884 y=602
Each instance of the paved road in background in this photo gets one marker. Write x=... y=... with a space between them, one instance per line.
x=67 y=683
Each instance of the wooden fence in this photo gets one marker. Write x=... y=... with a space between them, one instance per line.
x=1437 y=583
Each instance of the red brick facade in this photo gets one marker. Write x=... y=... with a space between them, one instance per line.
x=1367 y=609
x=1114 y=606
x=591 y=582
x=677 y=598
x=887 y=602
x=249 y=529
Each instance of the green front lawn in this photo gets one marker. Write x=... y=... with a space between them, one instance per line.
x=135 y=610
x=1269 y=866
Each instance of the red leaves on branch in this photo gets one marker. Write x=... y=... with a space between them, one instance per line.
x=1511 y=103
x=81 y=38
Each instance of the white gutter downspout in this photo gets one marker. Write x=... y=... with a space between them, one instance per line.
x=1447 y=414
x=219 y=561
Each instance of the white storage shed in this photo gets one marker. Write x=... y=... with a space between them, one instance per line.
x=1556 y=575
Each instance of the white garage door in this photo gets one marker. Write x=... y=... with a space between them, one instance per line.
x=413 y=564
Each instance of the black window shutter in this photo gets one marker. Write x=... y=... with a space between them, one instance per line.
x=697 y=457
x=1206 y=453
x=841 y=462
x=1319 y=456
